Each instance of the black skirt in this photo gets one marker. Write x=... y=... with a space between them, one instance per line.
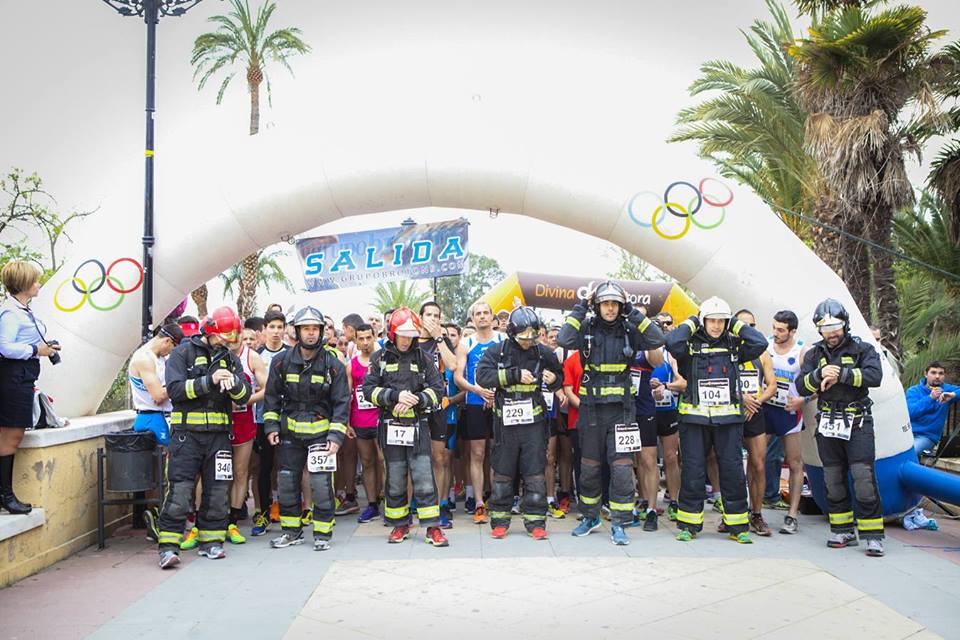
x=17 y=378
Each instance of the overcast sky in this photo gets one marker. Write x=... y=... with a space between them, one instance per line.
x=73 y=104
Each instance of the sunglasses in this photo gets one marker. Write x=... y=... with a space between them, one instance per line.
x=167 y=334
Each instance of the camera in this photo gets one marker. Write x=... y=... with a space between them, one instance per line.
x=55 y=356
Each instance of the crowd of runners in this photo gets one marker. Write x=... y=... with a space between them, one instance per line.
x=612 y=414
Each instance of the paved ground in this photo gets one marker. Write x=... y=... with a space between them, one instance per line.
x=780 y=587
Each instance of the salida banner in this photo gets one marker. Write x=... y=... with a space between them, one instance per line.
x=409 y=252
x=563 y=292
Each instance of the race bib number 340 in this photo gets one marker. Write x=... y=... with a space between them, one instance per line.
x=224 y=466
x=319 y=458
x=714 y=391
x=627 y=437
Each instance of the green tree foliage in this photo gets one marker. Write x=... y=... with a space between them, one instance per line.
x=267 y=272
x=403 y=293
x=455 y=294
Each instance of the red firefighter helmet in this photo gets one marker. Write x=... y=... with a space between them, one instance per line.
x=223 y=322
x=404 y=322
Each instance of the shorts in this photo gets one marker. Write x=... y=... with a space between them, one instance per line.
x=756 y=426
x=558 y=426
x=781 y=422
x=648 y=430
x=476 y=423
x=244 y=428
x=156 y=424
x=17 y=378
x=667 y=423
x=439 y=430
x=366 y=433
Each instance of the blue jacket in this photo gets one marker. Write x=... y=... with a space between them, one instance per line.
x=927 y=415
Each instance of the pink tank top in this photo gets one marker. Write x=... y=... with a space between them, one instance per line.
x=363 y=415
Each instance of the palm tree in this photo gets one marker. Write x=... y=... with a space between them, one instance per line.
x=855 y=74
x=405 y=293
x=752 y=129
x=267 y=272
x=242 y=42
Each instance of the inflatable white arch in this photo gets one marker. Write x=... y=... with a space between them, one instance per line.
x=222 y=202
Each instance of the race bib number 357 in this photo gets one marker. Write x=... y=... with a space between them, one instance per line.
x=319 y=458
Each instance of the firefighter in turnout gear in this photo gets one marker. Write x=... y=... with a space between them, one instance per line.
x=404 y=384
x=607 y=340
x=203 y=380
x=306 y=408
x=708 y=350
x=840 y=369
x=522 y=371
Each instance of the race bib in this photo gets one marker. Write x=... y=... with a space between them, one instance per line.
x=400 y=435
x=319 y=458
x=517 y=412
x=627 y=437
x=635 y=377
x=714 y=391
x=362 y=402
x=224 y=466
x=750 y=382
x=831 y=427
x=548 y=399
x=666 y=400
x=783 y=394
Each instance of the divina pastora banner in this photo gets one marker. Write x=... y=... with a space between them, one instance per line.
x=409 y=252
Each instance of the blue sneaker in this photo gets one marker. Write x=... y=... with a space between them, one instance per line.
x=618 y=536
x=470 y=505
x=372 y=512
x=515 y=509
x=413 y=505
x=261 y=524
x=586 y=526
x=446 y=516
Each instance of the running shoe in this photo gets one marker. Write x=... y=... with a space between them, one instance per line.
x=261 y=524
x=515 y=509
x=436 y=538
x=413 y=505
x=538 y=533
x=214 y=552
x=169 y=559
x=790 y=525
x=452 y=503
x=234 y=535
x=840 y=540
x=347 y=507
x=650 y=522
x=446 y=518
x=470 y=505
x=275 y=512
x=244 y=512
x=190 y=541
x=564 y=504
x=306 y=517
x=554 y=511
x=480 y=515
x=321 y=544
x=722 y=526
x=605 y=512
x=460 y=491
x=150 y=522
x=777 y=504
x=585 y=527
x=685 y=536
x=287 y=539
x=672 y=510
x=741 y=538
x=758 y=525
x=371 y=513
x=718 y=505
x=399 y=534
x=875 y=547
x=499 y=533
x=618 y=536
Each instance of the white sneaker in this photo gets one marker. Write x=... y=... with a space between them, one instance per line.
x=286 y=540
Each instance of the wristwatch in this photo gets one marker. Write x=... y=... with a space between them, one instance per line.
x=438 y=339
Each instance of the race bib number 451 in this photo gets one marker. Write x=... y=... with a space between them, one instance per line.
x=224 y=466
x=831 y=427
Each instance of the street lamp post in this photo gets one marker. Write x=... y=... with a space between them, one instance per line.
x=150 y=11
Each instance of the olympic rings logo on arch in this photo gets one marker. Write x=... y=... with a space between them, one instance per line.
x=105 y=277
x=671 y=201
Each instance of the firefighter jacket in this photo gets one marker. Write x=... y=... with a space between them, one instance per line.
x=198 y=402
x=859 y=369
x=711 y=367
x=606 y=350
x=392 y=371
x=307 y=398
x=499 y=368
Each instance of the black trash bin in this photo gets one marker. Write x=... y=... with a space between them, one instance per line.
x=131 y=464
